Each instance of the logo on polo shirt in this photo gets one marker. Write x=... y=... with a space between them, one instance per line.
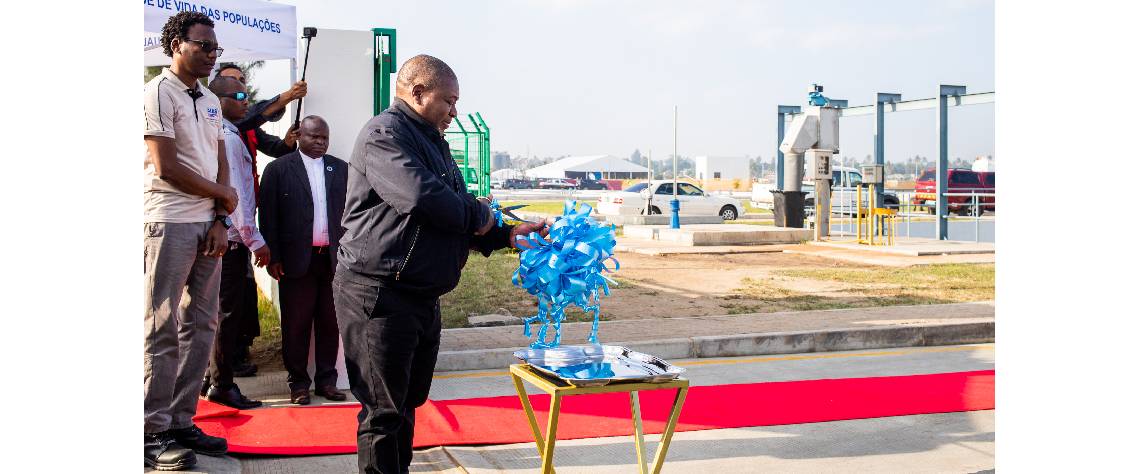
x=212 y=112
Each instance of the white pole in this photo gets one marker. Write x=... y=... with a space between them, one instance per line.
x=674 y=152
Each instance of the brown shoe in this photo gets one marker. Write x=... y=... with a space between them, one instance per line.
x=330 y=392
x=299 y=397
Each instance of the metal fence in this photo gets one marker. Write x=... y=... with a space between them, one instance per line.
x=973 y=206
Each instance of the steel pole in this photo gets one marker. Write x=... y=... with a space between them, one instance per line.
x=880 y=154
x=941 y=209
x=675 y=205
x=781 y=112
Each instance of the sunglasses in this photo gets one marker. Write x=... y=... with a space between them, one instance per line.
x=207 y=46
x=236 y=96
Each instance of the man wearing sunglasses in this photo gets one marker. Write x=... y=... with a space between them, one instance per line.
x=187 y=200
x=238 y=294
x=255 y=139
x=264 y=111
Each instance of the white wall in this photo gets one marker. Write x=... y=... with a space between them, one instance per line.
x=340 y=76
x=729 y=167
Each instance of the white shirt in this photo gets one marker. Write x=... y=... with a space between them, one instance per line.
x=244 y=229
x=315 y=169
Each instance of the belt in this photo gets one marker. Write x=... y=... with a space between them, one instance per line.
x=321 y=250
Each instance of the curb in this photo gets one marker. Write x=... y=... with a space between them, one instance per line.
x=848 y=339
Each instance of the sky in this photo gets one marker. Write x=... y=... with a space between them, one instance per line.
x=582 y=77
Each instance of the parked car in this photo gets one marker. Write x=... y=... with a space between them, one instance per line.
x=496 y=184
x=592 y=184
x=512 y=183
x=558 y=183
x=844 y=181
x=958 y=181
x=694 y=201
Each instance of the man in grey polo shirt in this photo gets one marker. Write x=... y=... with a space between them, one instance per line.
x=186 y=202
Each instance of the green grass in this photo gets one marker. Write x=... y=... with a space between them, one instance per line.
x=950 y=282
x=266 y=350
x=542 y=207
x=485 y=287
x=750 y=209
x=868 y=287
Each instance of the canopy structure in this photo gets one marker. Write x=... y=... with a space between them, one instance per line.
x=248 y=30
x=594 y=167
x=507 y=173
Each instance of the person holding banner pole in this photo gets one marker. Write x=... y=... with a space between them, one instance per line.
x=255 y=139
x=266 y=111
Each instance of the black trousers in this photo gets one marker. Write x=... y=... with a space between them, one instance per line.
x=307 y=313
x=391 y=340
x=237 y=302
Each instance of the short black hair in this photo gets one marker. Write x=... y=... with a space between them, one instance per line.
x=225 y=66
x=423 y=69
x=178 y=26
x=220 y=84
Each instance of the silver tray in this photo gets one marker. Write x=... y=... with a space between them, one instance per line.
x=595 y=365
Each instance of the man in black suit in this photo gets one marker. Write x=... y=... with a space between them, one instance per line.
x=302 y=201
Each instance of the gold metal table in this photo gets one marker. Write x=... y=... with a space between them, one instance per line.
x=557 y=388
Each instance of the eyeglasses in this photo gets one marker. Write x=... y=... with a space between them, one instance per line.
x=208 y=46
x=239 y=96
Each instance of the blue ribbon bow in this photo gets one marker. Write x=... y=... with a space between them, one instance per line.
x=566 y=270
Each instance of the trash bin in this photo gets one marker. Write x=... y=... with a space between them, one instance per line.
x=788 y=208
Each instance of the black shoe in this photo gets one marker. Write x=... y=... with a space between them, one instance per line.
x=192 y=437
x=245 y=369
x=163 y=453
x=231 y=397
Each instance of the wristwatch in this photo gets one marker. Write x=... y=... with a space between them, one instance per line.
x=225 y=220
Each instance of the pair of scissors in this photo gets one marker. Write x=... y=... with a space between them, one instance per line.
x=507 y=211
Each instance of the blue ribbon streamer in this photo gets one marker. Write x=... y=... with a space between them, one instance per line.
x=497 y=211
x=566 y=270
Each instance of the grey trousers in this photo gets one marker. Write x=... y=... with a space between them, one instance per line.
x=180 y=318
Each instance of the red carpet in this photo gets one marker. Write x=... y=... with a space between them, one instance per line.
x=500 y=420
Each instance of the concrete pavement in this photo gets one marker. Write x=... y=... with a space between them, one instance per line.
x=947 y=442
x=742 y=334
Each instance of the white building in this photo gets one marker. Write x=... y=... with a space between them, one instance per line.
x=590 y=167
x=508 y=173
x=721 y=167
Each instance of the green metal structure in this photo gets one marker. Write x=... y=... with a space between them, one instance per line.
x=470 y=145
x=471 y=148
x=385 y=54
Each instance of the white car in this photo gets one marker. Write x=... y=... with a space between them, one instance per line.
x=844 y=182
x=694 y=201
x=557 y=183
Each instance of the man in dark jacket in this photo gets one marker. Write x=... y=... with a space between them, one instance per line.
x=302 y=200
x=409 y=226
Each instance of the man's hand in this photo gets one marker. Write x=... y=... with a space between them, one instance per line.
x=276 y=270
x=299 y=90
x=524 y=229
x=490 y=223
x=291 y=136
x=216 y=242
x=227 y=198
x=261 y=256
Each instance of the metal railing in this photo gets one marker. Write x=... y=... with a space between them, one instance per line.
x=975 y=206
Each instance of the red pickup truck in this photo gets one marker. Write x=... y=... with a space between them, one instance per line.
x=958 y=181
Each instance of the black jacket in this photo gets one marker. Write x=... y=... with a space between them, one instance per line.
x=286 y=214
x=409 y=220
x=269 y=144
